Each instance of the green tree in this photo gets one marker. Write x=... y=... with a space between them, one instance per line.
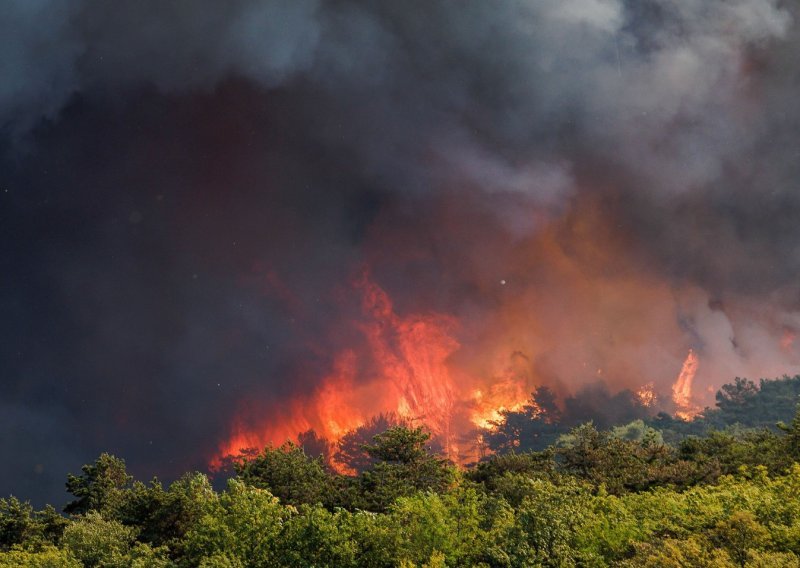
x=20 y=525
x=792 y=430
x=163 y=517
x=548 y=522
x=678 y=553
x=17 y=525
x=739 y=534
x=100 y=487
x=317 y=537
x=403 y=466
x=289 y=474
x=96 y=541
x=241 y=526
x=465 y=526
x=48 y=557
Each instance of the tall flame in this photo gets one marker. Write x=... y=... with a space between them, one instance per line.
x=682 y=389
x=412 y=353
x=410 y=378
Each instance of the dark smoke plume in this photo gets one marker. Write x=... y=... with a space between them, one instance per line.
x=188 y=188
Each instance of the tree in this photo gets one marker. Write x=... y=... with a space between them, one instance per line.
x=163 y=517
x=733 y=396
x=350 y=450
x=240 y=527
x=48 y=557
x=96 y=541
x=317 y=537
x=17 y=525
x=100 y=486
x=548 y=522
x=403 y=466
x=678 y=553
x=792 y=430
x=535 y=426
x=314 y=446
x=288 y=473
x=21 y=526
x=738 y=534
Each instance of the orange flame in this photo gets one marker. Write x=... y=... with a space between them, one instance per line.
x=413 y=353
x=646 y=395
x=411 y=379
x=507 y=393
x=682 y=389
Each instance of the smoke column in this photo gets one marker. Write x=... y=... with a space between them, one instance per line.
x=198 y=200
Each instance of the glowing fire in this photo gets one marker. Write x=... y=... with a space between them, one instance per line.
x=411 y=379
x=682 y=389
x=412 y=353
x=412 y=366
x=508 y=392
x=646 y=395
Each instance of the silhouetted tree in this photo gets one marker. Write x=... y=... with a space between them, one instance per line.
x=351 y=451
x=99 y=487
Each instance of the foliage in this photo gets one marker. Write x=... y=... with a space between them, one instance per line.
x=241 y=525
x=618 y=497
x=49 y=557
x=351 y=452
x=99 y=487
x=20 y=524
x=96 y=541
x=288 y=473
x=402 y=468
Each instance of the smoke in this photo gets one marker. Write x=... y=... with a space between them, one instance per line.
x=188 y=189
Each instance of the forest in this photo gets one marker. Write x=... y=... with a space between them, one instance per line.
x=628 y=489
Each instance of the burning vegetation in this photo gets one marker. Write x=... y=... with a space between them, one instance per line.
x=409 y=368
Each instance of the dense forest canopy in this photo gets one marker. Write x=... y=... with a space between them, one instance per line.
x=724 y=491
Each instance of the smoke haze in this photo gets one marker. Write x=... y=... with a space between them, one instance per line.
x=190 y=190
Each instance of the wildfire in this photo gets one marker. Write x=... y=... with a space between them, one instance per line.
x=411 y=379
x=412 y=365
x=647 y=395
x=682 y=389
x=509 y=392
x=412 y=353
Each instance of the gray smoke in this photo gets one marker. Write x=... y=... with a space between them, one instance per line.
x=188 y=186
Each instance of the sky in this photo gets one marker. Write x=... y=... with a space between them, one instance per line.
x=190 y=193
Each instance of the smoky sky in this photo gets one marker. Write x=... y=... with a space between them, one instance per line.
x=187 y=188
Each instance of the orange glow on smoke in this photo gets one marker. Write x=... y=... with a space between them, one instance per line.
x=565 y=306
x=787 y=339
x=682 y=389
x=412 y=380
x=412 y=353
x=508 y=392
